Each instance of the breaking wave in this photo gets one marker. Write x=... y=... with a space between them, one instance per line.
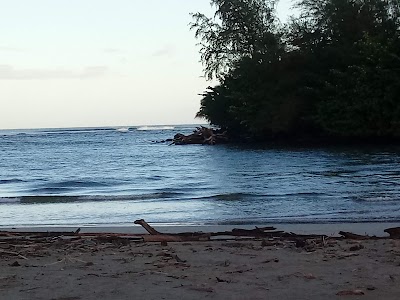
x=147 y=128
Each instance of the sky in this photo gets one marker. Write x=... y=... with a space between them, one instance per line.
x=88 y=63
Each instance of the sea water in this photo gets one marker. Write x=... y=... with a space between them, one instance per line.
x=113 y=176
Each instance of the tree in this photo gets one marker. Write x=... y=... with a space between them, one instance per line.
x=334 y=71
x=355 y=47
x=239 y=28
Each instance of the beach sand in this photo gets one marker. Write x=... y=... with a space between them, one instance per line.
x=217 y=269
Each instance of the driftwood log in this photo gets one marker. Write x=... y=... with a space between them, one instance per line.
x=202 y=135
x=393 y=232
x=258 y=232
x=353 y=236
x=156 y=236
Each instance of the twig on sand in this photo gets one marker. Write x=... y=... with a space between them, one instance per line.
x=13 y=253
x=66 y=259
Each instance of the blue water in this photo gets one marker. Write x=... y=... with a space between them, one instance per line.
x=113 y=176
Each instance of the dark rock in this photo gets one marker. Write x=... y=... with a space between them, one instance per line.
x=356 y=247
x=15 y=264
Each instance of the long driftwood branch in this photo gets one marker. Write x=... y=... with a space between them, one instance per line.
x=263 y=232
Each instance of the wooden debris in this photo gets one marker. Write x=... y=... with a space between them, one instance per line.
x=202 y=289
x=222 y=280
x=309 y=276
x=356 y=247
x=266 y=232
x=37 y=234
x=146 y=226
x=35 y=244
x=12 y=254
x=252 y=232
x=156 y=236
x=393 y=232
x=347 y=255
x=350 y=293
x=163 y=238
x=353 y=236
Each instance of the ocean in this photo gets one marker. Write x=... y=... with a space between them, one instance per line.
x=113 y=176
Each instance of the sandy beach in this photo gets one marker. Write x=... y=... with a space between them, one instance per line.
x=228 y=268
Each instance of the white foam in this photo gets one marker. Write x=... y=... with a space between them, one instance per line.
x=123 y=129
x=5 y=200
x=144 y=128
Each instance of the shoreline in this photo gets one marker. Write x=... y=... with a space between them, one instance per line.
x=329 y=229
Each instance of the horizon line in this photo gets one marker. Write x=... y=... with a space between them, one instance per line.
x=103 y=126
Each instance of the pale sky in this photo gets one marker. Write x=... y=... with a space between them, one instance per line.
x=83 y=63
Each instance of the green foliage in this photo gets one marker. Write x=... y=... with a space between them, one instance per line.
x=239 y=28
x=354 y=45
x=332 y=71
x=363 y=99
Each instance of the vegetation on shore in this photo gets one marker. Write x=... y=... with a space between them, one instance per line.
x=331 y=72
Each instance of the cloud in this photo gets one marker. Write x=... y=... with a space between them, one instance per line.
x=123 y=60
x=167 y=51
x=93 y=71
x=112 y=50
x=9 y=72
x=10 y=49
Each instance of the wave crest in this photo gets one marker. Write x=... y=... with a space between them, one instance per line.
x=147 y=128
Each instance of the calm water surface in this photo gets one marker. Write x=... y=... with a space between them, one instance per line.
x=113 y=176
